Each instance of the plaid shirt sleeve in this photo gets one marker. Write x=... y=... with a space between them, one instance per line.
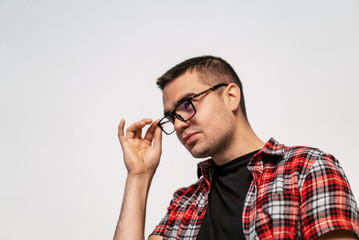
x=168 y=220
x=327 y=202
x=185 y=213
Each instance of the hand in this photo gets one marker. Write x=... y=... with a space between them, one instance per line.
x=141 y=155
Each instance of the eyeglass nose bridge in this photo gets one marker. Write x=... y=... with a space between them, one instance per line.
x=179 y=117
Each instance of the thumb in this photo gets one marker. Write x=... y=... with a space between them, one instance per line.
x=157 y=139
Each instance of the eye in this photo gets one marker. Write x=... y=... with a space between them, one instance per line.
x=187 y=105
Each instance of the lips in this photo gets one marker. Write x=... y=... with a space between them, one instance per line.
x=187 y=137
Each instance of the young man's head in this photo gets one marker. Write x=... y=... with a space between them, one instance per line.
x=203 y=104
x=210 y=70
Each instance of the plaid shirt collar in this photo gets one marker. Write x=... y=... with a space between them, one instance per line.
x=272 y=148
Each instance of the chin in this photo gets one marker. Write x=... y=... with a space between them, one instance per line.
x=199 y=154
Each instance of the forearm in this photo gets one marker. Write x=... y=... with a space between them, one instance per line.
x=131 y=224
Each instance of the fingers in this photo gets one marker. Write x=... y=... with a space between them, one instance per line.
x=121 y=134
x=133 y=131
x=153 y=134
x=151 y=131
x=157 y=140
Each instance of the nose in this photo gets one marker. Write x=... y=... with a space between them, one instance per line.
x=180 y=125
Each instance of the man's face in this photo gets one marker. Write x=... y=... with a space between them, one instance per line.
x=207 y=133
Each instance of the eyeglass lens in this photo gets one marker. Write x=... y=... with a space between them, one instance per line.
x=167 y=125
x=183 y=112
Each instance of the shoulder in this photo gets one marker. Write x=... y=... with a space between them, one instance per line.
x=273 y=150
x=309 y=157
x=300 y=163
x=303 y=152
x=190 y=191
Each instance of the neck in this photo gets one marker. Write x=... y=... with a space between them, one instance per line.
x=243 y=141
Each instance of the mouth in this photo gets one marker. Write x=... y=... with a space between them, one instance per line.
x=188 y=138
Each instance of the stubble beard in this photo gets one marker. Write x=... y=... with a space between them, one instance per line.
x=211 y=147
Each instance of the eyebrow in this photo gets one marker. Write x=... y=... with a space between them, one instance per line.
x=181 y=100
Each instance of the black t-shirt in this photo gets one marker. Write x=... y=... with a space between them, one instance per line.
x=223 y=219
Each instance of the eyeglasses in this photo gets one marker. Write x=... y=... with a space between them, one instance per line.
x=184 y=111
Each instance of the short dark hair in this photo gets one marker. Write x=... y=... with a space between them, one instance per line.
x=211 y=70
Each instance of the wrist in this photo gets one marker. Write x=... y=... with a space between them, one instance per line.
x=139 y=186
x=144 y=177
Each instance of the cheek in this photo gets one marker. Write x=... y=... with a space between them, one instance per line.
x=212 y=119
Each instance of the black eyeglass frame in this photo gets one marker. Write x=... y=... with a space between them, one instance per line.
x=173 y=114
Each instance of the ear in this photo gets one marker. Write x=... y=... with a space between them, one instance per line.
x=233 y=96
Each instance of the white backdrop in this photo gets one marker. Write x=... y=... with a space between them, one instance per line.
x=70 y=70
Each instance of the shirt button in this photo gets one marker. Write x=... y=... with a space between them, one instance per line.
x=199 y=213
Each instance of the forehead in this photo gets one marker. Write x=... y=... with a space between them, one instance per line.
x=185 y=85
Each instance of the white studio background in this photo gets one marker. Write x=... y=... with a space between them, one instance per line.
x=70 y=70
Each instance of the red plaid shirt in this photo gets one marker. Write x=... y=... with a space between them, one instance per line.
x=296 y=193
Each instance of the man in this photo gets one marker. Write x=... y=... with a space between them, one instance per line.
x=248 y=189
